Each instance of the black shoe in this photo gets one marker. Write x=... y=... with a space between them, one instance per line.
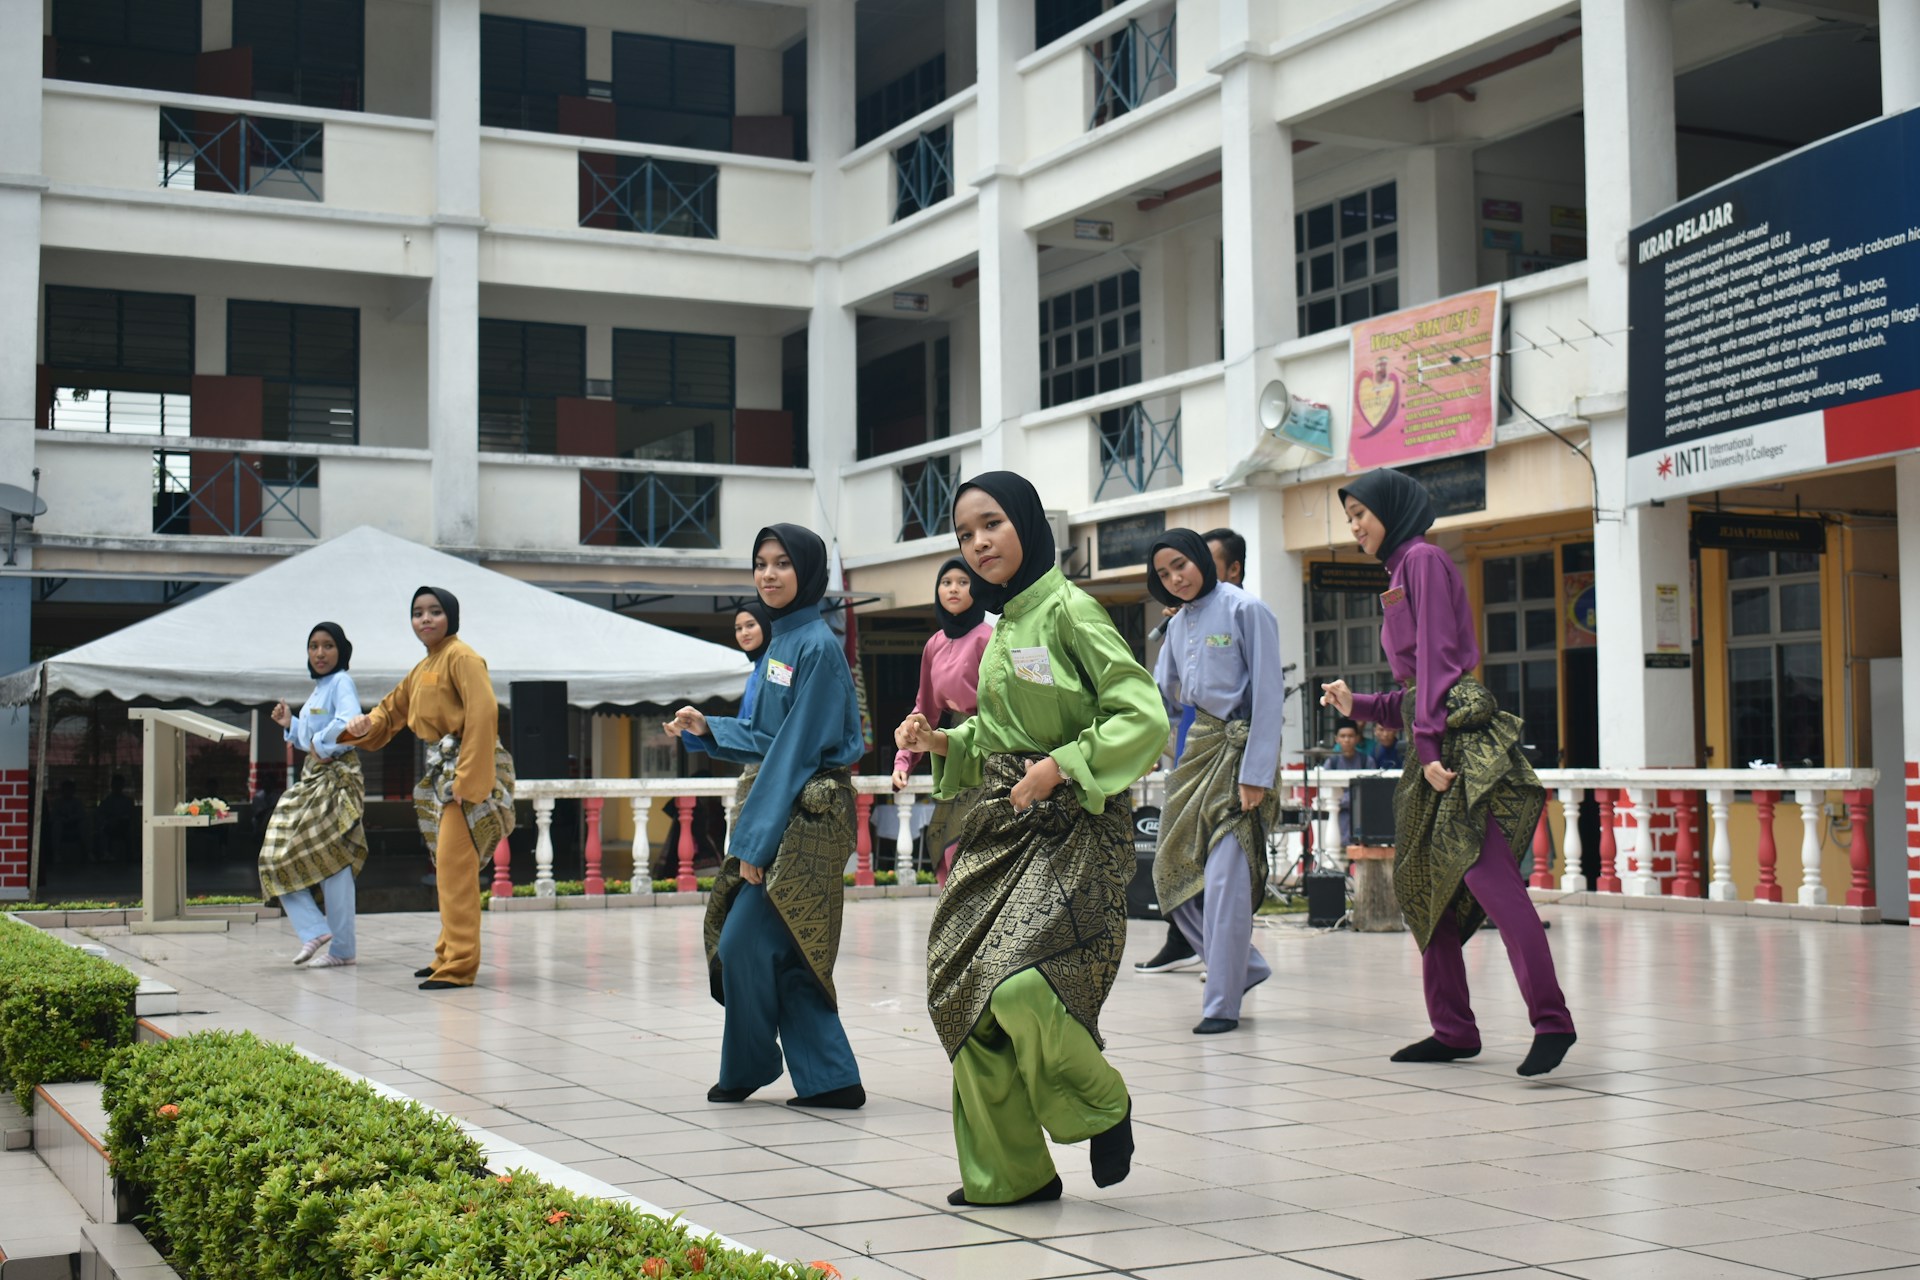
x=720 y=1093
x=434 y=984
x=424 y=973
x=1548 y=1049
x=1432 y=1050
x=1214 y=1026
x=1112 y=1152
x=1051 y=1191
x=1170 y=959
x=846 y=1098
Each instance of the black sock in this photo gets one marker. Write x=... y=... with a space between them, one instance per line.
x=1112 y=1151
x=1051 y=1191
x=846 y=1098
x=720 y=1093
x=1549 y=1047
x=1431 y=1050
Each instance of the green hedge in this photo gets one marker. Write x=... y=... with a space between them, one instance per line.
x=250 y=1160
x=62 y=1011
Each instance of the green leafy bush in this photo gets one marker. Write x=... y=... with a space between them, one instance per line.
x=518 y=1226
x=251 y=1160
x=569 y=888
x=199 y=900
x=62 y=1011
x=244 y=1153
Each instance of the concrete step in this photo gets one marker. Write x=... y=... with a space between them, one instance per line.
x=119 y=1252
x=40 y=1228
x=16 y=1126
x=69 y=1135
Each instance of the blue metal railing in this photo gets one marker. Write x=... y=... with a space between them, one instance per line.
x=1136 y=66
x=923 y=172
x=926 y=498
x=657 y=197
x=241 y=154
x=656 y=511
x=1138 y=452
x=219 y=503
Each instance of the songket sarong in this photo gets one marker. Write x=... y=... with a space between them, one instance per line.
x=1440 y=834
x=1203 y=807
x=490 y=821
x=1045 y=889
x=806 y=883
x=315 y=831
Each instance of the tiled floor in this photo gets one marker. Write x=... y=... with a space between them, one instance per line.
x=1744 y=1101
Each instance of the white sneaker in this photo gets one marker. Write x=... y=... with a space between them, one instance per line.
x=307 y=949
x=331 y=961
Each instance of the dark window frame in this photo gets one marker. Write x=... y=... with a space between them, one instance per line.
x=547 y=101
x=538 y=409
x=294 y=380
x=674 y=339
x=302 y=65
x=630 y=98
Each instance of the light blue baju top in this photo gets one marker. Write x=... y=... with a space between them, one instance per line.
x=1222 y=655
x=805 y=717
x=317 y=726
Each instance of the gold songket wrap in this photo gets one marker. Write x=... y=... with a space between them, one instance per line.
x=1203 y=807
x=488 y=822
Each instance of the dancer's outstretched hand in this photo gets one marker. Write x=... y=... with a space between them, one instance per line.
x=916 y=733
x=282 y=716
x=687 y=720
x=1337 y=696
x=360 y=726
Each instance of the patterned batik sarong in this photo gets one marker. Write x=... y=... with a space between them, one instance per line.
x=316 y=830
x=489 y=822
x=1043 y=889
x=806 y=883
x=1440 y=834
x=1203 y=807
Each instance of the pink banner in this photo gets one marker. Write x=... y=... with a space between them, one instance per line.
x=1423 y=382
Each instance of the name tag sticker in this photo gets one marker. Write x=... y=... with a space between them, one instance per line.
x=317 y=712
x=1034 y=665
x=779 y=673
x=1221 y=641
x=1388 y=599
x=430 y=678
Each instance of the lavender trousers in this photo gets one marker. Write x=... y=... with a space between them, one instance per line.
x=1494 y=880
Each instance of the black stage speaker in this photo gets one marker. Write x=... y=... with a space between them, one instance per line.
x=1326 y=898
x=1373 y=810
x=539 y=742
x=1142 y=902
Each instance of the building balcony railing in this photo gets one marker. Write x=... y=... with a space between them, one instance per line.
x=654 y=197
x=646 y=509
x=245 y=155
x=926 y=497
x=923 y=172
x=1138 y=451
x=234 y=495
x=1131 y=67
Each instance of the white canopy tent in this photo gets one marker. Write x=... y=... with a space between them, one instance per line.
x=246 y=642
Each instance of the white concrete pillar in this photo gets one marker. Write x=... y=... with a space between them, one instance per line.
x=1899 y=55
x=832 y=352
x=1647 y=716
x=21 y=183
x=1278 y=577
x=453 y=309
x=1009 y=256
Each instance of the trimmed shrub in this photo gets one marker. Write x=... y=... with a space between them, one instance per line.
x=244 y=1153
x=62 y=1011
x=516 y=1225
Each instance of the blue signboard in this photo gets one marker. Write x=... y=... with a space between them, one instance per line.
x=1776 y=319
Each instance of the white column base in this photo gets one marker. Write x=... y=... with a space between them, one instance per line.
x=1717 y=892
x=1573 y=882
x=1813 y=895
x=1640 y=885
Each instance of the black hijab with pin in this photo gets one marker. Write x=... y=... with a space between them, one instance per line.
x=809 y=556
x=340 y=642
x=1401 y=503
x=449 y=605
x=762 y=616
x=1021 y=504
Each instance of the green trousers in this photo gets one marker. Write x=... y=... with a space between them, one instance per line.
x=1028 y=1072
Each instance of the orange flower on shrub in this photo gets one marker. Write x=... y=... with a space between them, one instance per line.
x=697 y=1258
x=654 y=1268
x=826 y=1269
x=557 y=1217
x=505 y=1179
x=169 y=1110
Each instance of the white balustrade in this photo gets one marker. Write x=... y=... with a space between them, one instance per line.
x=1812 y=892
x=1721 y=888
x=1640 y=882
x=642 y=881
x=903 y=869
x=1572 y=878
x=543 y=847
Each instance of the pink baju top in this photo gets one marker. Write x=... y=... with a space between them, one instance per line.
x=949 y=672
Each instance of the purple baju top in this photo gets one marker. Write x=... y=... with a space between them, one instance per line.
x=1428 y=638
x=949 y=674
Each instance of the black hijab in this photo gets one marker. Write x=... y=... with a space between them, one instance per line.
x=340 y=642
x=1193 y=547
x=449 y=603
x=1402 y=503
x=809 y=555
x=1021 y=503
x=957 y=625
x=760 y=615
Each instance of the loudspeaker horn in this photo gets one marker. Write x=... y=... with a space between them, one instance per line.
x=1276 y=406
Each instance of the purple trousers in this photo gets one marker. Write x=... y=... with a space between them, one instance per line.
x=1495 y=883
